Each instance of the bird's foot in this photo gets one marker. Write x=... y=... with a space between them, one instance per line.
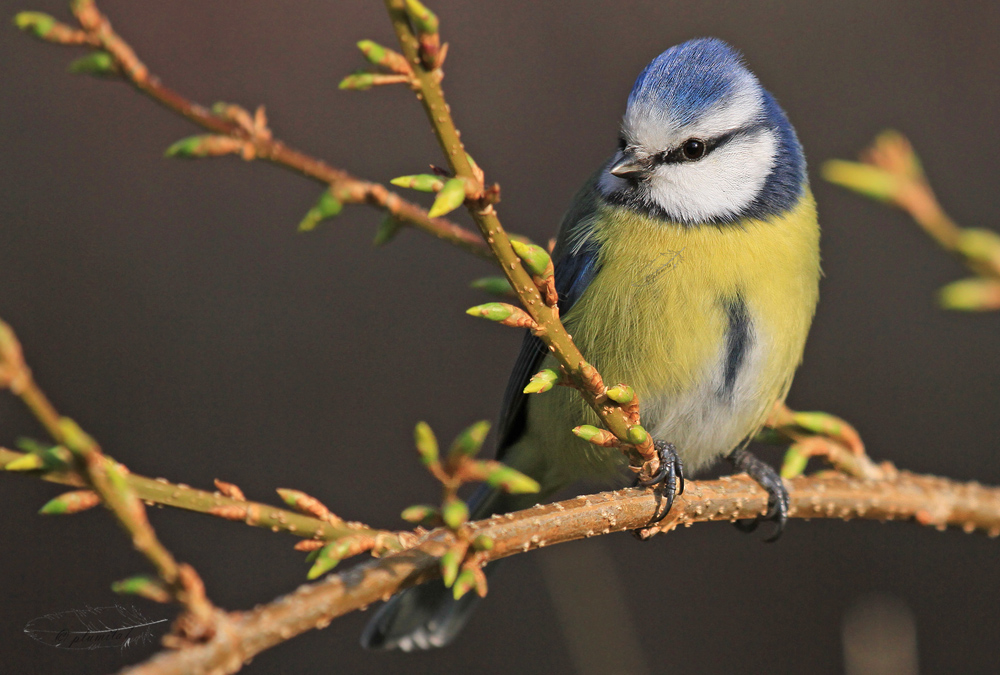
x=768 y=478
x=670 y=476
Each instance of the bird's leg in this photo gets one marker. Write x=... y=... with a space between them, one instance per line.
x=768 y=478
x=670 y=475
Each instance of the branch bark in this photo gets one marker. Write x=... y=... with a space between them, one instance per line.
x=927 y=500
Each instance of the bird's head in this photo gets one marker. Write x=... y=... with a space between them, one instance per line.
x=703 y=142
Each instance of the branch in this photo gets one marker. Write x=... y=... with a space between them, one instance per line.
x=891 y=172
x=927 y=500
x=252 y=142
x=108 y=480
x=416 y=30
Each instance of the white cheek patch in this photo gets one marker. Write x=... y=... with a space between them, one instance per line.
x=654 y=129
x=720 y=185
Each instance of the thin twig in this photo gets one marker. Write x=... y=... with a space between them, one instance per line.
x=549 y=327
x=108 y=480
x=256 y=514
x=926 y=500
x=98 y=34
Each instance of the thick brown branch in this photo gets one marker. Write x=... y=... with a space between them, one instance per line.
x=924 y=499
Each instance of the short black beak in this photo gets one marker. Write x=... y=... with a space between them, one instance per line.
x=628 y=167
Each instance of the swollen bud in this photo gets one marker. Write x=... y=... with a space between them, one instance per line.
x=70 y=502
x=424 y=20
x=449 y=566
x=29 y=462
x=621 y=393
x=465 y=582
x=454 y=513
x=427 y=444
x=330 y=556
x=512 y=481
x=980 y=245
x=600 y=437
x=970 y=295
x=36 y=23
x=482 y=543
x=387 y=230
x=204 y=145
x=143 y=586
x=501 y=312
x=419 y=514
x=424 y=182
x=328 y=206
x=868 y=180
x=97 y=63
x=360 y=81
x=535 y=258
x=637 y=435
x=795 y=462
x=470 y=440
x=542 y=381
x=451 y=196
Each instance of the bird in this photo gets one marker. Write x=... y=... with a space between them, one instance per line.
x=688 y=267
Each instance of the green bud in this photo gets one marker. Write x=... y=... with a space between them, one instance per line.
x=187 y=147
x=482 y=543
x=328 y=206
x=424 y=20
x=512 y=481
x=465 y=582
x=794 y=463
x=449 y=566
x=312 y=555
x=97 y=63
x=470 y=440
x=971 y=295
x=427 y=444
x=143 y=586
x=542 y=381
x=637 y=435
x=373 y=51
x=494 y=285
x=535 y=258
x=869 y=180
x=36 y=23
x=329 y=557
x=621 y=394
x=818 y=423
x=419 y=513
x=70 y=502
x=387 y=230
x=494 y=311
x=360 y=81
x=455 y=513
x=979 y=245
x=587 y=431
x=451 y=196
x=29 y=462
x=424 y=182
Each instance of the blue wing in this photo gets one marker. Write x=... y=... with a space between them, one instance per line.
x=575 y=267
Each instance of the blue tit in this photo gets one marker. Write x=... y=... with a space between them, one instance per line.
x=688 y=268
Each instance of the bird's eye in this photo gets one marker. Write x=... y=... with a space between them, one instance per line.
x=693 y=149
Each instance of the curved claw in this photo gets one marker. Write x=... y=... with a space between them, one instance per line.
x=768 y=478
x=671 y=472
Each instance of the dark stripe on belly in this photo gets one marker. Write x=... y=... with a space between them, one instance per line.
x=739 y=335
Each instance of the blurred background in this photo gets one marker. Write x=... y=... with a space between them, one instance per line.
x=171 y=308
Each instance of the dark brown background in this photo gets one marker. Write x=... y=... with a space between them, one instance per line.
x=171 y=308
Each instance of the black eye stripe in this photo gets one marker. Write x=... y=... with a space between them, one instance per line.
x=676 y=155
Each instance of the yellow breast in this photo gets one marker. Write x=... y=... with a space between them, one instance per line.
x=655 y=317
